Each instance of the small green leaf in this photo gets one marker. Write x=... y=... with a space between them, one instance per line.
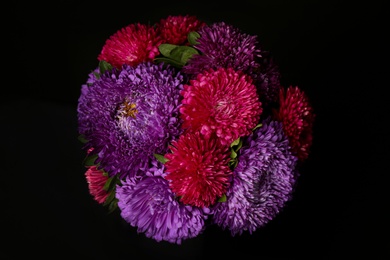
x=259 y=125
x=233 y=154
x=169 y=61
x=82 y=139
x=90 y=160
x=166 y=48
x=223 y=198
x=104 y=66
x=109 y=198
x=160 y=158
x=107 y=185
x=113 y=206
x=235 y=142
x=183 y=53
x=192 y=38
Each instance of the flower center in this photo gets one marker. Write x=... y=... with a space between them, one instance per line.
x=127 y=109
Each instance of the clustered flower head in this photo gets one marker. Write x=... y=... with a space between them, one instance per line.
x=185 y=124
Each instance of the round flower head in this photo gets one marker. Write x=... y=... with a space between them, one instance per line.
x=222 y=101
x=262 y=183
x=131 y=45
x=296 y=114
x=96 y=181
x=222 y=45
x=197 y=169
x=150 y=205
x=175 y=29
x=129 y=115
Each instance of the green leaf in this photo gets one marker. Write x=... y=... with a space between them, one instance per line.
x=169 y=61
x=90 y=160
x=233 y=154
x=259 y=125
x=82 y=139
x=113 y=206
x=107 y=185
x=223 y=198
x=193 y=37
x=104 y=66
x=183 y=53
x=235 y=142
x=160 y=158
x=109 y=198
x=166 y=48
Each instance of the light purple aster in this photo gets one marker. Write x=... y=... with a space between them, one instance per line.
x=128 y=115
x=148 y=204
x=263 y=181
x=223 y=45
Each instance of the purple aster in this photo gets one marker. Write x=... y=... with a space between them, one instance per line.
x=222 y=45
x=149 y=204
x=128 y=115
x=263 y=181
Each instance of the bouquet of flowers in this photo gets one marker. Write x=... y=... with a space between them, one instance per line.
x=185 y=124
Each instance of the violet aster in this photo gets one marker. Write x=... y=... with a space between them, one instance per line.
x=263 y=181
x=223 y=45
x=149 y=205
x=128 y=115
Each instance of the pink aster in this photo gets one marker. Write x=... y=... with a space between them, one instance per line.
x=223 y=101
x=197 y=169
x=296 y=114
x=131 y=45
x=175 y=29
x=96 y=181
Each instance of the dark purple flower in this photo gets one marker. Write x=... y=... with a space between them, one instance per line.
x=223 y=45
x=128 y=115
x=148 y=204
x=263 y=181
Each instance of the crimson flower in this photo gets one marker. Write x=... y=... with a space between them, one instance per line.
x=223 y=101
x=131 y=45
x=96 y=181
x=197 y=169
x=296 y=114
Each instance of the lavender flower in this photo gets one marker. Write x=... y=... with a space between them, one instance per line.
x=263 y=181
x=128 y=115
x=149 y=204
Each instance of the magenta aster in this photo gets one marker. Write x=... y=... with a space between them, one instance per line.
x=296 y=114
x=223 y=101
x=131 y=45
x=96 y=181
x=175 y=29
x=197 y=169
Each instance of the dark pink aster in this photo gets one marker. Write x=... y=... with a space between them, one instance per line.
x=149 y=205
x=263 y=181
x=131 y=45
x=96 y=181
x=296 y=114
x=223 y=45
x=197 y=169
x=223 y=101
x=175 y=29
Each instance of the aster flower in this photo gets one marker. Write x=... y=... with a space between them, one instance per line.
x=267 y=81
x=263 y=181
x=96 y=181
x=175 y=29
x=223 y=101
x=131 y=45
x=296 y=114
x=223 y=45
x=129 y=115
x=197 y=169
x=152 y=207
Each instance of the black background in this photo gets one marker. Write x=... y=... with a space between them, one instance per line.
x=334 y=50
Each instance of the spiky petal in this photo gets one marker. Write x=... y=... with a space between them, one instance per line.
x=131 y=45
x=296 y=114
x=223 y=101
x=197 y=169
x=263 y=181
